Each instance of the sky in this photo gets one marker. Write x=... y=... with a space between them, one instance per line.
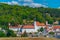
x=34 y=3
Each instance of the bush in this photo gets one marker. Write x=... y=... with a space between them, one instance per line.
x=40 y=29
x=51 y=33
x=11 y=33
x=24 y=34
x=2 y=34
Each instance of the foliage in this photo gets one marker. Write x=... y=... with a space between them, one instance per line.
x=11 y=33
x=52 y=33
x=49 y=18
x=24 y=34
x=2 y=34
x=41 y=29
x=15 y=14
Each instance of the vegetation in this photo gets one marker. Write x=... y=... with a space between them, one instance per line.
x=51 y=33
x=41 y=29
x=2 y=34
x=10 y=33
x=24 y=34
x=15 y=15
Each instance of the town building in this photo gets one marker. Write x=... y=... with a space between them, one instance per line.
x=28 y=28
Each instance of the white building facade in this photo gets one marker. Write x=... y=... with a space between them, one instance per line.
x=29 y=28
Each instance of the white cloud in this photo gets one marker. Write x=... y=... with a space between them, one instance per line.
x=11 y=3
x=25 y=4
x=26 y=0
x=35 y=5
x=14 y=2
x=45 y=6
x=58 y=7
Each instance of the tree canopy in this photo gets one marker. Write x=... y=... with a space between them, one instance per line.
x=15 y=14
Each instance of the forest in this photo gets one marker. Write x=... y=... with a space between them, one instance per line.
x=16 y=14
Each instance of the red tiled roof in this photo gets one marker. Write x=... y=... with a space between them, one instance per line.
x=14 y=26
x=24 y=27
x=56 y=27
x=28 y=27
x=40 y=24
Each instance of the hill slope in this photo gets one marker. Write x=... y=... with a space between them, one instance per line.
x=15 y=14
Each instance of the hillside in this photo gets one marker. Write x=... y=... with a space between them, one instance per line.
x=15 y=14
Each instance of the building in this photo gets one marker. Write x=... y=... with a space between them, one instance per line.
x=56 y=29
x=28 y=28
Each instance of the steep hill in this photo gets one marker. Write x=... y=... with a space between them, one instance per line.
x=15 y=14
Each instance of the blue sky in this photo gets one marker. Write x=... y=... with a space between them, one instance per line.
x=35 y=3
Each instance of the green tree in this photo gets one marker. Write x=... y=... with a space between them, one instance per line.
x=10 y=33
x=49 y=19
x=41 y=29
x=51 y=33
x=2 y=34
x=24 y=34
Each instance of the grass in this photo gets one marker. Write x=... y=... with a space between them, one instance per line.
x=28 y=38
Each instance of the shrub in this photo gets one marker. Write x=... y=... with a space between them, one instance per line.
x=40 y=29
x=2 y=34
x=11 y=33
x=24 y=34
x=52 y=33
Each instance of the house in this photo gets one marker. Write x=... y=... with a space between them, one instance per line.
x=49 y=28
x=28 y=28
x=31 y=28
x=14 y=28
x=56 y=29
x=38 y=25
